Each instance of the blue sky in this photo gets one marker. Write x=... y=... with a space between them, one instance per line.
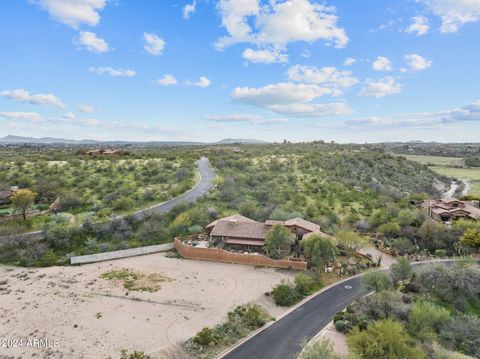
x=201 y=70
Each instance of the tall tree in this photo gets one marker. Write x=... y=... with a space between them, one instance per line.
x=22 y=200
x=278 y=241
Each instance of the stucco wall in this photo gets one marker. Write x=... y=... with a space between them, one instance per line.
x=124 y=253
x=220 y=255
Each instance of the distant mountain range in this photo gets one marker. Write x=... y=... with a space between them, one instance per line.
x=11 y=139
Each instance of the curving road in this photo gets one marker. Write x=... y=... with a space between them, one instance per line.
x=206 y=183
x=283 y=339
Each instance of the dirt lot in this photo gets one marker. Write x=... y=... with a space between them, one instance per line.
x=93 y=317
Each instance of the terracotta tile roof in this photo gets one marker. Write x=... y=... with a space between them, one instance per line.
x=236 y=217
x=235 y=229
x=299 y=222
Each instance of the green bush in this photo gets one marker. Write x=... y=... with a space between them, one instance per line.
x=440 y=253
x=426 y=319
x=205 y=337
x=377 y=281
x=305 y=284
x=390 y=229
x=340 y=326
x=401 y=269
x=285 y=294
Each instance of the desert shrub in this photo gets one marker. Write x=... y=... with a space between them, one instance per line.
x=403 y=246
x=285 y=295
x=205 y=337
x=406 y=217
x=124 y=204
x=426 y=319
x=401 y=269
x=350 y=241
x=383 y=339
x=390 y=229
x=441 y=253
x=377 y=281
x=318 y=349
x=60 y=231
x=340 y=326
x=463 y=334
x=134 y=355
x=306 y=284
x=471 y=238
x=47 y=260
x=69 y=201
x=339 y=316
x=457 y=285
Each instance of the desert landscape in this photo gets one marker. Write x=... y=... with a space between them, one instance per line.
x=94 y=317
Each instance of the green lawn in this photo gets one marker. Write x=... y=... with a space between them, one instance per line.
x=434 y=160
x=444 y=166
x=472 y=175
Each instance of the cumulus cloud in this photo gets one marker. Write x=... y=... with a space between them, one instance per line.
x=112 y=72
x=245 y=118
x=91 y=42
x=73 y=12
x=291 y=99
x=278 y=23
x=37 y=99
x=23 y=116
x=264 y=56
x=154 y=44
x=349 y=61
x=167 y=80
x=189 y=9
x=86 y=108
x=327 y=76
x=382 y=63
x=454 y=13
x=466 y=113
x=380 y=88
x=201 y=82
x=69 y=116
x=419 y=26
x=417 y=62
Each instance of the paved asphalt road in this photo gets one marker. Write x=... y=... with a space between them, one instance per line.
x=206 y=183
x=282 y=340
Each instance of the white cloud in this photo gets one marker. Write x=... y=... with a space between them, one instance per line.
x=202 y=82
x=69 y=116
x=92 y=42
x=327 y=76
x=290 y=98
x=382 y=63
x=454 y=13
x=278 y=23
x=349 y=61
x=73 y=12
x=189 y=9
x=380 y=88
x=112 y=72
x=86 y=109
x=37 y=99
x=154 y=45
x=417 y=62
x=466 y=113
x=264 y=56
x=167 y=80
x=24 y=116
x=245 y=118
x=419 y=26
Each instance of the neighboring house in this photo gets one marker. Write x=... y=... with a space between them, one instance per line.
x=6 y=197
x=240 y=232
x=450 y=209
